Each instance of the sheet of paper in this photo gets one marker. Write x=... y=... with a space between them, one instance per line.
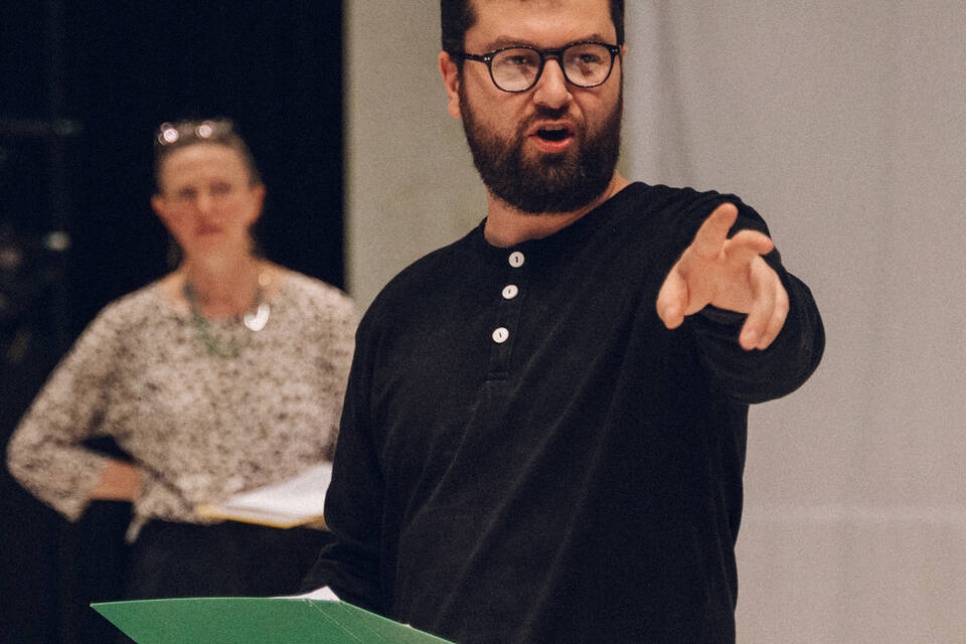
x=324 y=594
x=292 y=502
x=302 y=495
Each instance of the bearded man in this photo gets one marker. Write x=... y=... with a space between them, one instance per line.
x=544 y=432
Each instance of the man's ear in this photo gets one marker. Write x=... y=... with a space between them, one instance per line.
x=451 y=81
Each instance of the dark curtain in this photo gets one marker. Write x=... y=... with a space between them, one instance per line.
x=83 y=86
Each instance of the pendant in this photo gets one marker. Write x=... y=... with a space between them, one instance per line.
x=256 y=321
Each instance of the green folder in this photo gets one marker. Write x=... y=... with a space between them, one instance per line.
x=240 y=620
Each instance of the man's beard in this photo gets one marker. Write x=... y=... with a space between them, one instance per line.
x=549 y=183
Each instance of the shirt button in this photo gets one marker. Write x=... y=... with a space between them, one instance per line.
x=510 y=291
x=517 y=259
x=501 y=335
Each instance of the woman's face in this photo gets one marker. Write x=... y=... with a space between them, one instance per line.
x=207 y=200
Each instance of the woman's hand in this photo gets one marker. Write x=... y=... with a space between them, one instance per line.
x=120 y=481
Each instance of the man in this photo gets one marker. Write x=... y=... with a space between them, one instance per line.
x=544 y=432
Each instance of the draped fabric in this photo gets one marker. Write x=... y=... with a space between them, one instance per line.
x=844 y=124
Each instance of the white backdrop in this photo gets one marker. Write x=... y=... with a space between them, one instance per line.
x=843 y=122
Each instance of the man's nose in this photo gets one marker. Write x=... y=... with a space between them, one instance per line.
x=552 y=89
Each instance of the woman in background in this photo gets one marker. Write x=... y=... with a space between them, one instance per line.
x=225 y=375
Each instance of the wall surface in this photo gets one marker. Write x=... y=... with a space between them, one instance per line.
x=410 y=183
x=842 y=123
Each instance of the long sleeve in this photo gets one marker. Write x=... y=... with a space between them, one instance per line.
x=46 y=453
x=481 y=477
x=758 y=376
x=351 y=564
x=200 y=426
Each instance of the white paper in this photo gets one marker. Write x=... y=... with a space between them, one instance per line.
x=321 y=594
x=301 y=496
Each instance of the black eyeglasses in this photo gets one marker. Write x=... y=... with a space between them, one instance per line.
x=185 y=131
x=517 y=69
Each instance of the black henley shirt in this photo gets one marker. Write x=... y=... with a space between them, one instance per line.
x=528 y=455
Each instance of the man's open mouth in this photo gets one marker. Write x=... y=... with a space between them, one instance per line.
x=554 y=133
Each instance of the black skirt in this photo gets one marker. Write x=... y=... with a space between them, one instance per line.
x=224 y=560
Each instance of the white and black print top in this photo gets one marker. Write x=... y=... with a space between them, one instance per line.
x=202 y=426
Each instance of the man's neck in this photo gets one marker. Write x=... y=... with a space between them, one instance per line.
x=506 y=226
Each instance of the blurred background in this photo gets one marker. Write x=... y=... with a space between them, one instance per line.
x=842 y=122
x=83 y=88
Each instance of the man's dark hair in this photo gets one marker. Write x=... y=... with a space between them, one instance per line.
x=456 y=16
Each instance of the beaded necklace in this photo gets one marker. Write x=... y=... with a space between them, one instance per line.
x=253 y=320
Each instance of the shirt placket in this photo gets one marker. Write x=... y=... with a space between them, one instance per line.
x=509 y=303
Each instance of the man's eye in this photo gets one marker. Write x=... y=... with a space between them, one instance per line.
x=516 y=59
x=220 y=189
x=187 y=194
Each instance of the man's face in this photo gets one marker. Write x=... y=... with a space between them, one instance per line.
x=554 y=147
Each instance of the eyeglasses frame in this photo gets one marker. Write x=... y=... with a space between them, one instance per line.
x=553 y=54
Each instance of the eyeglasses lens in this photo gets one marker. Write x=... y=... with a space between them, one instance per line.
x=515 y=70
x=584 y=65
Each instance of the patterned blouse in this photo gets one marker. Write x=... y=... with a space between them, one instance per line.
x=201 y=426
